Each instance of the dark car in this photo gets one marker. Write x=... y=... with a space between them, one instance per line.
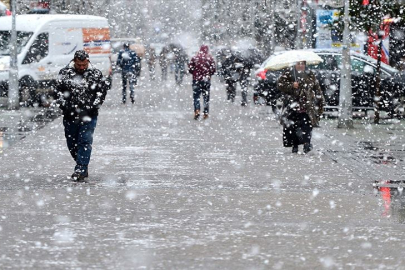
x=363 y=73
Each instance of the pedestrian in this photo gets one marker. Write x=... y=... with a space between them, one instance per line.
x=180 y=61
x=81 y=90
x=130 y=65
x=163 y=62
x=235 y=70
x=303 y=106
x=151 y=56
x=202 y=67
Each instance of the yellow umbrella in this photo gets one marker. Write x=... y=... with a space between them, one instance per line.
x=289 y=58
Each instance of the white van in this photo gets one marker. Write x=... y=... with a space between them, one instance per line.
x=46 y=44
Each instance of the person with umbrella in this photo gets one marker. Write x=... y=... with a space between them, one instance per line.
x=304 y=104
x=236 y=68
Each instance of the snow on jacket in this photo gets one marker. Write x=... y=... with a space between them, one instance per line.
x=80 y=95
x=202 y=65
x=307 y=98
x=129 y=61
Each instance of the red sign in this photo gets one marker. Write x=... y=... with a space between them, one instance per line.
x=366 y=2
x=39 y=5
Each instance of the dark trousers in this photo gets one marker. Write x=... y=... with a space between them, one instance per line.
x=79 y=139
x=179 y=71
x=201 y=88
x=298 y=129
x=128 y=77
x=231 y=89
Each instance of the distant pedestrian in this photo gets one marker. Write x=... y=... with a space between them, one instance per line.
x=151 y=58
x=180 y=61
x=81 y=90
x=164 y=62
x=130 y=65
x=236 y=69
x=202 y=67
x=304 y=105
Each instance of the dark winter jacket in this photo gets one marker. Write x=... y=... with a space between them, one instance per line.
x=235 y=68
x=129 y=61
x=307 y=98
x=80 y=96
x=202 y=65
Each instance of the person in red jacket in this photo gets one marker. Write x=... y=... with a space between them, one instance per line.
x=202 y=67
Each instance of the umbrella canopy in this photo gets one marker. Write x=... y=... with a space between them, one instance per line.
x=289 y=58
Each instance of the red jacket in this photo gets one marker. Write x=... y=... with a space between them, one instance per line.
x=202 y=65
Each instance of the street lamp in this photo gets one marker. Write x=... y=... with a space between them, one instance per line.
x=345 y=97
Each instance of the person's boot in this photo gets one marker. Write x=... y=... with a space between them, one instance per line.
x=79 y=176
x=295 y=149
x=206 y=115
x=307 y=147
x=196 y=114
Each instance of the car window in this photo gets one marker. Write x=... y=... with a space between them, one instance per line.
x=359 y=65
x=329 y=62
x=38 y=50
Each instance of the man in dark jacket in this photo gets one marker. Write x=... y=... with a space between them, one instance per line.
x=236 y=69
x=180 y=61
x=81 y=90
x=130 y=65
x=202 y=66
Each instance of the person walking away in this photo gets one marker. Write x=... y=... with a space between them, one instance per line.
x=230 y=75
x=151 y=55
x=202 y=67
x=163 y=62
x=180 y=60
x=80 y=91
x=304 y=103
x=244 y=75
x=129 y=62
x=236 y=69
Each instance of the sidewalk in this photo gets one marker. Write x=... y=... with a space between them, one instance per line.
x=169 y=192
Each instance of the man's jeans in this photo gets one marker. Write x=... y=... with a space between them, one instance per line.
x=128 y=76
x=201 y=88
x=79 y=138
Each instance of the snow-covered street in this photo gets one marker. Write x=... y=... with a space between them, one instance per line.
x=169 y=192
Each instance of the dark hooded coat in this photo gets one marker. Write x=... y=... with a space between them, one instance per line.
x=202 y=65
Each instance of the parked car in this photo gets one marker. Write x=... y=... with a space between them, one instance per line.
x=363 y=73
x=4 y=11
x=46 y=44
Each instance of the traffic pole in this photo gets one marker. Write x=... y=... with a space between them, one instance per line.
x=13 y=96
x=345 y=97
x=298 y=39
x=377 y=94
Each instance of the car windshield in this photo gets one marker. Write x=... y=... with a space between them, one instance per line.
x=5 y=40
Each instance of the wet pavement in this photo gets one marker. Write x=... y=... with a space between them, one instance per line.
x=169 y=192
x=15 y=125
